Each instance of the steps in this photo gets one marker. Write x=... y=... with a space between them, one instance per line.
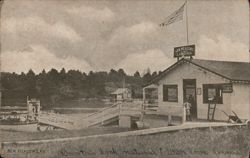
x=56 y=120
x=101 y=117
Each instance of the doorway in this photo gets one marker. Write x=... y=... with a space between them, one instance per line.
x=189 y=92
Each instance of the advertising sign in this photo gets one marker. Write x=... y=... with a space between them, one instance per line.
x=185 y=51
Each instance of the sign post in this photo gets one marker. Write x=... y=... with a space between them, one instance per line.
x=184 y=51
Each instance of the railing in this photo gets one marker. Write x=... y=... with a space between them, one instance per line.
x=99 y=117
x=103 y=115
x=104 y=109
x=124 y=108
x=56 y=120
x=150 y=107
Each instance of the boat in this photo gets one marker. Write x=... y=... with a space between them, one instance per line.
x=20 y=118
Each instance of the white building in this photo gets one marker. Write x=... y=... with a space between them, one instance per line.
x=227 y=82
x=122 y=94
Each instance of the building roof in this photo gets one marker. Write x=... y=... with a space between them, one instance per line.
x=234 y=71
x=120 y=91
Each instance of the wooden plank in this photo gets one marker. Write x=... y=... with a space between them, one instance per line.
x=186 y=126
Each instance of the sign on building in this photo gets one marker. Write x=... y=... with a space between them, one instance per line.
x=184 y=51
x=227 y=88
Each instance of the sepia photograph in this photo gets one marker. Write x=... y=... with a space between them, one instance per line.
x=124 y=78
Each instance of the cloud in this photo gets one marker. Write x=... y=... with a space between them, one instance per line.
x=37 y=58
x=87 y=12
x=135 y=33
x=142 y=28
x=37 y=26
x=105 y=34
x=154 y=59
x=222 y=48
x=120 y=42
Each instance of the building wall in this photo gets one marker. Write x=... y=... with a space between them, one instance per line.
x=190 y=71
x=240 y=100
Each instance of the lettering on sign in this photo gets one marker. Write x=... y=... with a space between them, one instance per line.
x=188 y=50
x=227 y=88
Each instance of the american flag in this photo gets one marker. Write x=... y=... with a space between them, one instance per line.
x=174 y=17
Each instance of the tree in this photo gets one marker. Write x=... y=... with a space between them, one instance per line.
x=31 y=84
x=147 y=78
x=43 y=72
x=30 y=73
x=137 y=74
x=121 y=72
x=62 y=72
x=54 y=87
x=154 y=74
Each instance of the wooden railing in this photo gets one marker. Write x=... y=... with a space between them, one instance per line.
x=150 y=107
x=124 y=108
x=57 y=120
x=99 y=117
x=103 y=115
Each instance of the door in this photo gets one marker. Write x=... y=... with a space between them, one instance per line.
x=189 y=92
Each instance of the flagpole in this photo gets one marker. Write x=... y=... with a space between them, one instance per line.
x=249 y=46
x=249 y=32
x=1 y=6
x=187 y=21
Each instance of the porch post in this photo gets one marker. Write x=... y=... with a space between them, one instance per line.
x=184 y=115
x=169 y=119
x=143 y=101
x=143 y=95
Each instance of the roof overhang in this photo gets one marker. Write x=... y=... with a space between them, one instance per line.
x=151 y=86
x=182 y=61
x=241 y=81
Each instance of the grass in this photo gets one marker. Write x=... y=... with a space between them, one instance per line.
x=6 y=135
x=219 y=142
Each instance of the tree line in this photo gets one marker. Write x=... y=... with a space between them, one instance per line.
x=54 y=86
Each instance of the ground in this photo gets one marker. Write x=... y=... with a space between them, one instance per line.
x=204 y=142
x=10 y=136
x=197 y=142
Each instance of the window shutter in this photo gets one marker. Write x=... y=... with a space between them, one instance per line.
x=165 y=93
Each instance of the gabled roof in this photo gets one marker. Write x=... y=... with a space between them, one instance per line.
x=234 y=71
x=120 y=91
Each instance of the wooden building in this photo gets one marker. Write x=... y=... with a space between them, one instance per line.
x=222 y=82
x=122 y=94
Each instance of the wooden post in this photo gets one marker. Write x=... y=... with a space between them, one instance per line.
x=169 y=119
x=184 y=115
x=119 y=106
x=143 y=112
x=144 y=95
x=102 y=113
x=144 y=99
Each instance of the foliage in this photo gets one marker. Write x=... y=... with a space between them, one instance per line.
x=53 y=87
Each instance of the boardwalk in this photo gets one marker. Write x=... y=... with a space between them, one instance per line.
x=185 y=126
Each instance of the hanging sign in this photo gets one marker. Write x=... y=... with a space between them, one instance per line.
x=227 y=88
x=184 y=51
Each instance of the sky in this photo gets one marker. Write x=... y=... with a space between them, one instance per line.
x=98 y=35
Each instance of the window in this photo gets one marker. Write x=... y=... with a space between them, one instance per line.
x=212 y=93
x=170 y=93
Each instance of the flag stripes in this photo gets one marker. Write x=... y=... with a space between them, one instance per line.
x=174 y=17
